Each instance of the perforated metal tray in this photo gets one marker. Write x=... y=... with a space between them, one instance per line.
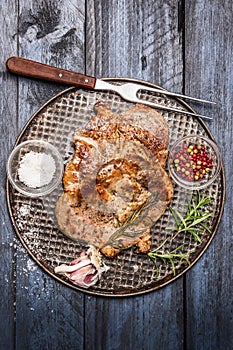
x=33 y=219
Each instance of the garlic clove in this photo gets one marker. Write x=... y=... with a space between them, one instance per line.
x=85 y=270
x=86 y=277
x=75 y=265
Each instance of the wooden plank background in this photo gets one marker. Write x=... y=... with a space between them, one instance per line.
x=183 y=46
x=209 y=72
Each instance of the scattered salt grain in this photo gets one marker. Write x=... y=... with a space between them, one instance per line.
x=36 y=169
x=31 y=265
x=135 y=268
x=24 y=210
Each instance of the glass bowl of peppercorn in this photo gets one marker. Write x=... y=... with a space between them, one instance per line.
x=194 y=162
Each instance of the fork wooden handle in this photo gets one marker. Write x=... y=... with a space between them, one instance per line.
x=43 y=71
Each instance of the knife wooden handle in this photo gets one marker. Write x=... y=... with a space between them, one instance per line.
x=38 y=70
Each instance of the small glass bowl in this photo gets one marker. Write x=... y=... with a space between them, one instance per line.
x=194 y=162
x=15 y=162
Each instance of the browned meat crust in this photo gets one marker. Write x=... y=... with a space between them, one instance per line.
x=139 y=122
x=115 y=187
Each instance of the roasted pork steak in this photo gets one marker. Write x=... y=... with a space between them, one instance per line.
x=116 y=187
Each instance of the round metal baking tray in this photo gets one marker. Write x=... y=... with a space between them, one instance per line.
x=33 y=218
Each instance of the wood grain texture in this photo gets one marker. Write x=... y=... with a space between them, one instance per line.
x=140 y=39
x=126 y=38
x=136 y=323
x=135 y=39
x=209 y=73
x=8 y=112
x=47 y=314
x=50 y=32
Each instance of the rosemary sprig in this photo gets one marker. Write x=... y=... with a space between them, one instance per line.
x=169 y=256
x=140 y=212
x=193 y=221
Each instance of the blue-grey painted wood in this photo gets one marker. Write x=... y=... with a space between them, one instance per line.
x=127 y=39
x=153 y=321
x=8 y=129
x=209 y=73
x=47 y=314
x=135 y=39
x=140 y=39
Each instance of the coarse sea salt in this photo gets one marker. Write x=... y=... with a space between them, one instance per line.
x=36 y=169
x=24 y=210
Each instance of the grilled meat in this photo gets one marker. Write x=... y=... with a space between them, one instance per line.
x=116 y=187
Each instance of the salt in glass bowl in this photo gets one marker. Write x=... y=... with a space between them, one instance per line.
x=194 y=162
x=15 y=161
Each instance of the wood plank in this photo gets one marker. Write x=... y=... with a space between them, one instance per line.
x=139 y=40
x=49 y=33
x=136 y=323
x=8 y=111
x=135 y=39
x=48 y=314
x=208 y=72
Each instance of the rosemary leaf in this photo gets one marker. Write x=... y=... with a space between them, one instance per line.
x=191 y=223
x=205 y=227
x=198 y=221
x=196 y=237
x=168 y=256
x=139 y=214
x=194 y=217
